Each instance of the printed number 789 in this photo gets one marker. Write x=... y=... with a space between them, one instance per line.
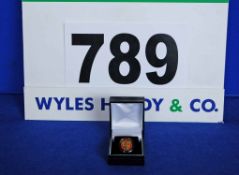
x=97 y=40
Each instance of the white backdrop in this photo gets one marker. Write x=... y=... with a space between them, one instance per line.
x=52 y=64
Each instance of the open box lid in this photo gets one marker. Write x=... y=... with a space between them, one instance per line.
x=127 y=116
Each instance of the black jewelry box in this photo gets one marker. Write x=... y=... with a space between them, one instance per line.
x=126 y=123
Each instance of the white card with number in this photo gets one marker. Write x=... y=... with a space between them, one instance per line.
x=78 y=54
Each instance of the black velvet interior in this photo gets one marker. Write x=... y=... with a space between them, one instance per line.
x=137 y=148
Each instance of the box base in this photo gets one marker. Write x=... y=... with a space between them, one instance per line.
x=126 y=160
